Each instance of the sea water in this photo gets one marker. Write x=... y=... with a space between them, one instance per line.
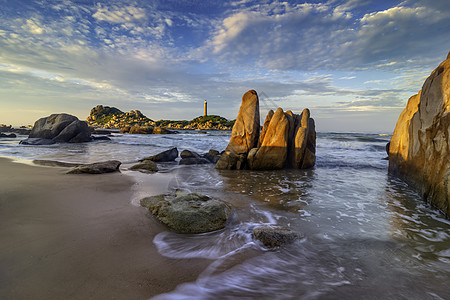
x=364 y=234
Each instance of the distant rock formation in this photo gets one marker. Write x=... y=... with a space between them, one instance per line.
x=286 y=140
x=135 y=122
x=113 y=118
x=419 y=150
x=58 y=128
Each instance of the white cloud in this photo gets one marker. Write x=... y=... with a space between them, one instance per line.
x=116 y=14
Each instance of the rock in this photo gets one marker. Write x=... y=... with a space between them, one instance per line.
x=305 y=142
x=274 y=148
x=287 y=140
x=245 y=133
x=97 y=168
x=192 y=158
x=194 y=161
x=100 y=131
x=189 y=154
x=101 y=138
x=76 y=132
x=419 y=150
x=231 y=161
x=11 y=135
x=189 y=212
x=165 y=156
x=36 y=142
x=213 y=156
x=141 y=130
x=146 y=166
x=272 y=237
x=22 y=131
x=60 y=128
x=265 y=127
x=159 y=130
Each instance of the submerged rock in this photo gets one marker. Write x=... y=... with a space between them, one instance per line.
x=272 y=237
x=145 y=166
x=165 y=156
x=97 y=168
x=189 y=212
x=419 y=151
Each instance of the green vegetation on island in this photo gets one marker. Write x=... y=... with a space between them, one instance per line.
x=113 y=118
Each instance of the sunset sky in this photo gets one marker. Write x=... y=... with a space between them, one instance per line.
x=353 y=63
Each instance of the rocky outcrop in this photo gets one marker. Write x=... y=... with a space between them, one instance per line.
x=165 y=156
x=272 y=237
x=419 y=150
x=58 y=128
x=189 y=212
x=113 y=118
x=244 y=135
x=287 y=140
x=97 y=168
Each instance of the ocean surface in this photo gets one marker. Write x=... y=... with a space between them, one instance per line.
x=365 y=234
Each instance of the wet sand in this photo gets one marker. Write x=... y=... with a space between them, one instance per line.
x=79 y=237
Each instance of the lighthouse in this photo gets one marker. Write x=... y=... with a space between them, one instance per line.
x=205 y=108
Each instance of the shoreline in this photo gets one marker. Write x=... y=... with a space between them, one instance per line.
x=82 y=237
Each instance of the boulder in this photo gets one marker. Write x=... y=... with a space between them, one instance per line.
x=231 y=161
x=245 y=133
x=97 y=168
x=213 y=156
x=189 y=212
x=272 y=237
x=287 y=140
x=145 y=166
x=60 y=128
x=305 y=142
x=419 y=150
x=76 y=132
x=274 y=147
x=165 y=156
x=189 y=154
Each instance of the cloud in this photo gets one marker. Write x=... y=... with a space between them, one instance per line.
x=325 y=37
x=115 y=14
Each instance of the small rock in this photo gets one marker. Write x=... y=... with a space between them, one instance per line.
x=11 y=135
x=97 y=168
x=165 y=156
x=145 y=166
x=272 y=237
x=101 y=138
x=188 y=154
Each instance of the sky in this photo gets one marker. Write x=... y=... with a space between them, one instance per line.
x=353 y=63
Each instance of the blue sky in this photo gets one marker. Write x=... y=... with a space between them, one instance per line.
x=353 y=63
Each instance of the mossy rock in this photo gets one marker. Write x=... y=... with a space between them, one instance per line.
x=186 y=212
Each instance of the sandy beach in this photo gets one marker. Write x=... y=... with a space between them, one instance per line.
x=79 y=237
